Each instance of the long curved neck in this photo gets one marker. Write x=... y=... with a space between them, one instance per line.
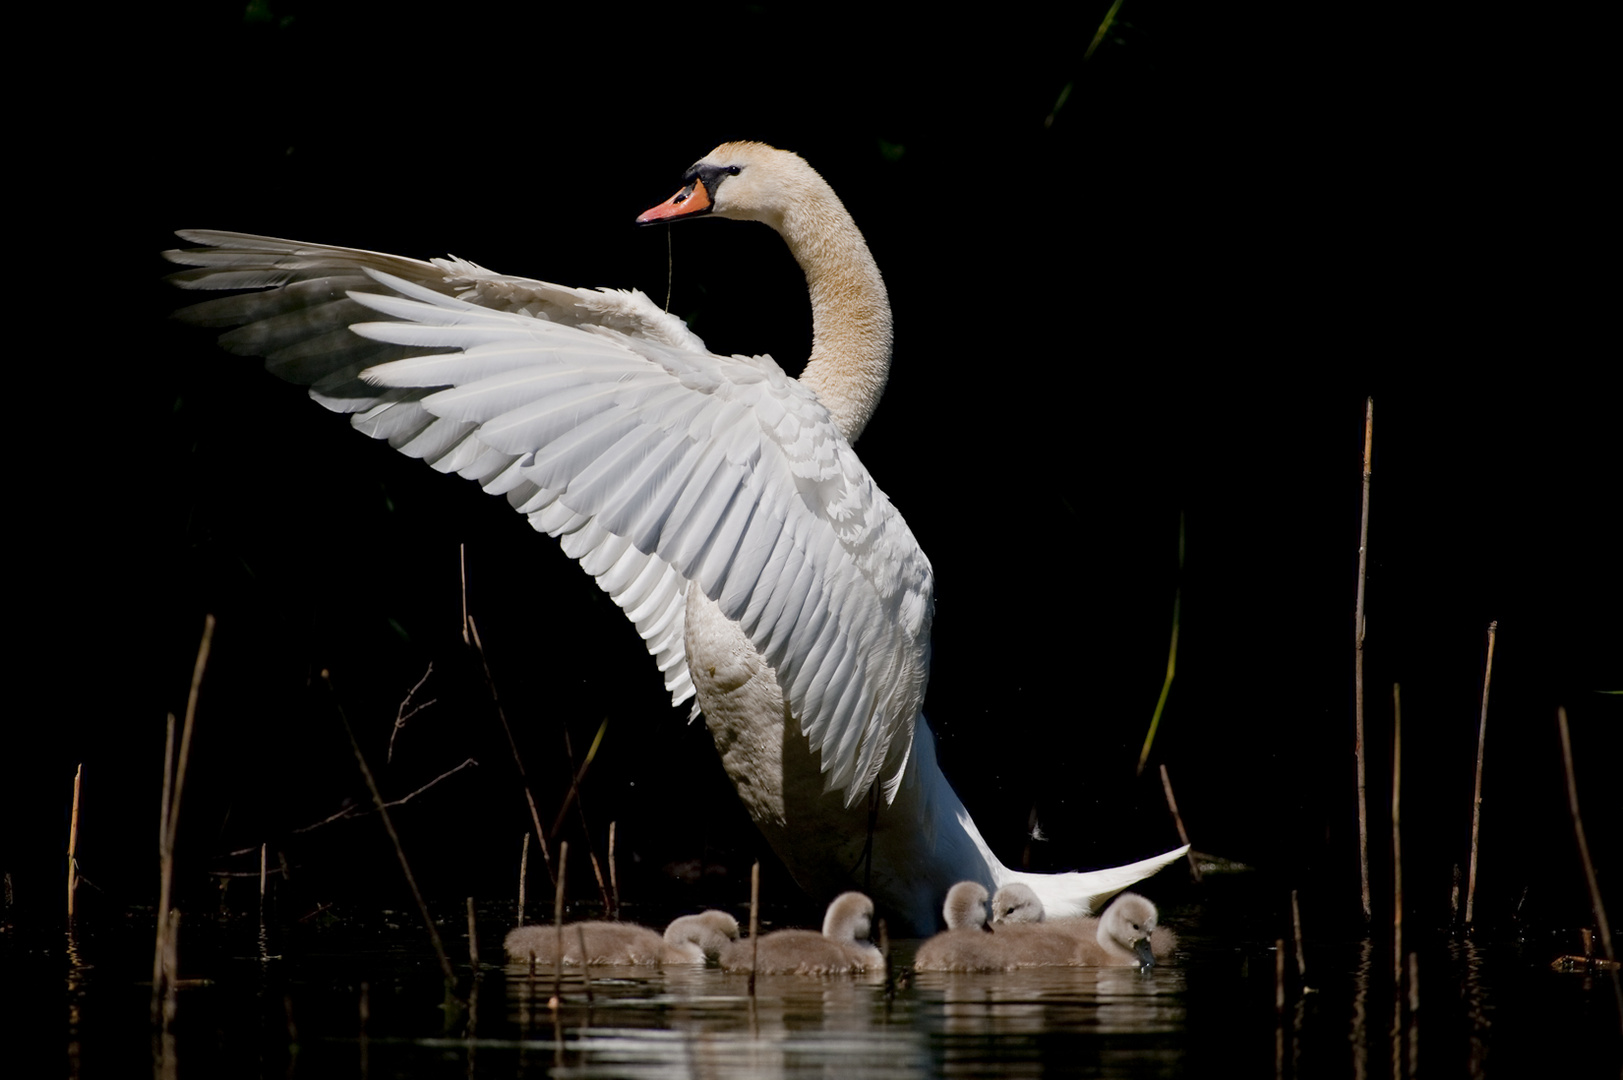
x=851 y=328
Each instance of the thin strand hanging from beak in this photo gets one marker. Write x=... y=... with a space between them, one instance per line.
x=670 y=269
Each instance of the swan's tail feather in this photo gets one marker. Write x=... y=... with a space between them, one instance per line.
x=1087 y=892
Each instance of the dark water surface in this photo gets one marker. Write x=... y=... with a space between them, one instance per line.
x=289 y=1001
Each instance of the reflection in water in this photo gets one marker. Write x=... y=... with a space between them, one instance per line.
x=702 y=1022
x=76 y=978
x=369 y=1001
x=1360 y=1008
x=1469 y=965
x=1013 y=1023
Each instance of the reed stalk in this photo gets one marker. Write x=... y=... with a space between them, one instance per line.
x=558 y=928
x=1397 y=840
x=755 y=921
x=1476 y=797
x=174 y=782
x=573 y=796
x=1172 y=667
x=585 y=965
x=614 y=879
x=73 y=840
x=394 y=838
x=1177 y=819
x=1358 y=664
x=470 y=637
x=1296 y=926
x=1601 y=923
x=523 y=873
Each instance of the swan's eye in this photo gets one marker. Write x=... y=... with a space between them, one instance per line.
x=734 y=170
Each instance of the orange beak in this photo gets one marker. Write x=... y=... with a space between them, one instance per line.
x=691 y=200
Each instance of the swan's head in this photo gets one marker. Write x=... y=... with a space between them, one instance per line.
x=709 y=930
x=1128 y=924
x=849 y=918
x=749 y=181
x=966 y=906
x=1016 y=903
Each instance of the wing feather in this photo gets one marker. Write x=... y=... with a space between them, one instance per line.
x=657 y=465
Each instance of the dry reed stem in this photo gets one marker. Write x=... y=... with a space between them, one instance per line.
x=558 y=925
x=573 y=796
x=1279 y=977
x=523 y=872
x=614 y=878
x=1279 y=1008
x=585 y=968
x=755 y=920
x=470 y=634
x=473 y=939
x=394 y=837
x=73 y=839
x=1476 y=798
x=348 y=812
x=165 y=868
x=884 y=953
x=1397 y=840
x=171 y=966
x=1296 y=925
x=174 y=783
x=1358 y=664
x=407 y=710
x=1172 y=664
x=1601 y=922
x=1177 y=819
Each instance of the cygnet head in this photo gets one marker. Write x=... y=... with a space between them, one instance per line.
x=966 y=906
x=1016 y=903
x=709 y=931
x=849 y=918
x=1126 y=926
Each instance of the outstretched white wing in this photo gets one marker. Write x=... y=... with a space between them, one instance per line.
x=656 y=463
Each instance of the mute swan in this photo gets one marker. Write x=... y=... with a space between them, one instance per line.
x=715 y=499
x=840 y=949
x=688 y=940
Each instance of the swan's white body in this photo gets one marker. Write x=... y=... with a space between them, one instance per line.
x=717 y=500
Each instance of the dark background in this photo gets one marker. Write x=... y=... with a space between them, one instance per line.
x=1156 y=284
